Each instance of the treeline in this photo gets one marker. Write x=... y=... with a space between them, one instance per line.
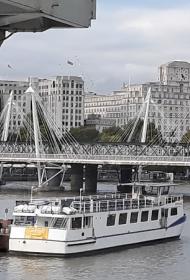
x=86 y=134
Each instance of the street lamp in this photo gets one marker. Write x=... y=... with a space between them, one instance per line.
x=31 y=193
x=81 y=190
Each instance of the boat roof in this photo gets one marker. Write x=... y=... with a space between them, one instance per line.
x=149 y=184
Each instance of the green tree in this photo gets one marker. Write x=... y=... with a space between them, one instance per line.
x=85 y=134
x=185 y=138
x=153 y=134
x=111 y=134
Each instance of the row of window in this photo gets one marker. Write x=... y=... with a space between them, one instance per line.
x=135 y=215
x=66 y=117
x=71 y=111
x=77 y=124
x=86 y=221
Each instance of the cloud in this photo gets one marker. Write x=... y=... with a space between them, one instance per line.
x=123 y=42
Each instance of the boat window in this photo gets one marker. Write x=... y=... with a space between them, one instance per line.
x=164 y=190
x=46 y=223
x=173 y=211
x=154 y=216
x=144 y=216
x=134 y=217
x=164 y=212
x=30 y=220
x=76 y=223
x=60 y=223
x=111 y=220
x=19 y=220
x=136 y=189
x=87 y=222
x=122 y=218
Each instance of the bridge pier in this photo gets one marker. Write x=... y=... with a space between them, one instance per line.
x=76 y=177
x=126 y=173
x=91 y=173
x=54 y=180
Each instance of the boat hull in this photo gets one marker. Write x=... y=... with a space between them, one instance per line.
x=4 y=243
x=110 y=242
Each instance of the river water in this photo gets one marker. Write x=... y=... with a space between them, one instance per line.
x=166 y=261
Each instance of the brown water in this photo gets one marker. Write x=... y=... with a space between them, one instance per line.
x=167 y=261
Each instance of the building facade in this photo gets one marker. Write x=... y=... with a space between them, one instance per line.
x=169 y=107
x=62 y=96
x=18 y=114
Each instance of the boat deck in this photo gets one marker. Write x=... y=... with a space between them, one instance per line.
x=96 y=203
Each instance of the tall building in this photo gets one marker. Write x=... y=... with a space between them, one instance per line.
x=63 y=96
x=169 y=107
x=18 y=88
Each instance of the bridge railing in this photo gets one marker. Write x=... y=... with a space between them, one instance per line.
x=102 y=158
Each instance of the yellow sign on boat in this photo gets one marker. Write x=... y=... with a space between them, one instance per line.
x=36 y=233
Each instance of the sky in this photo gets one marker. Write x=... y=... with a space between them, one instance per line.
x=127 y=42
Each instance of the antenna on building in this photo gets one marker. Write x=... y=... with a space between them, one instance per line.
x=129 y=82
x=30 y=81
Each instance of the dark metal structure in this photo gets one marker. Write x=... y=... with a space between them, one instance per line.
x=40 y=15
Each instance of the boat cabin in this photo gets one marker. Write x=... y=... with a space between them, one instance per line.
x=151 y=189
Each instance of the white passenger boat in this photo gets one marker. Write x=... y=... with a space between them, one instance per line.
x=75 y=225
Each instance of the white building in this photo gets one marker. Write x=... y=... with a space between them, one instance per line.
x=169 y=107
x=63 y=97
x=19 y=97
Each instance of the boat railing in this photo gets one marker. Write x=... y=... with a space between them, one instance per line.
x=101 y=203
x=123 y=204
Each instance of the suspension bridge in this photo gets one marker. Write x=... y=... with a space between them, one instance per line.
x=39 y=141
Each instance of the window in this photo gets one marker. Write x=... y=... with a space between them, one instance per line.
x=173 y=211
x=76 y=223
x=144 y=216
x=19 y=220
x=30 y=220
x=134 y=217
x=122 y=218
x=60 y=223
x=164 y=212
x=154 y=215
x=87 y=222
x=111 y=220
x=46 y=223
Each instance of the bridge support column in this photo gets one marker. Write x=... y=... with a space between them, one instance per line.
x=76 y=177
x=54 y=178
x=91 y=173
x=126 y=173
x=187 y=173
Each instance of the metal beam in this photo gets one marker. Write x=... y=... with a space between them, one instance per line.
x=71 y=12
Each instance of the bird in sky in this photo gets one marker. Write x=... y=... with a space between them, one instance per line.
x=70 y=62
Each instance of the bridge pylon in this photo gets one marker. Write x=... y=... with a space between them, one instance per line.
x=39 y=133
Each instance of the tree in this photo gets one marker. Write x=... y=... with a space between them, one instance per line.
x=153 y=134
x=110 y=134
x=85 y=134
x=185 y=138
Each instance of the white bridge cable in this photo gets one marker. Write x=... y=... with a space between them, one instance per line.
x=122 y=135
x=53 y=128
x=28 y=128
x=158 y=137
x=48 y=133
x=130 y=128
x=66 y=139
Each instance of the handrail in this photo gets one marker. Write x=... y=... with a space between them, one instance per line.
x=124 y=204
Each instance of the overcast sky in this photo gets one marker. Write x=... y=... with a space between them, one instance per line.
x=128 y=40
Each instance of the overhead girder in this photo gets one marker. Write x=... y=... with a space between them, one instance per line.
x=40 y=15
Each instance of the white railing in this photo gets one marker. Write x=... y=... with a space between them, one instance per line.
x=123 y=204
x=96 y=159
